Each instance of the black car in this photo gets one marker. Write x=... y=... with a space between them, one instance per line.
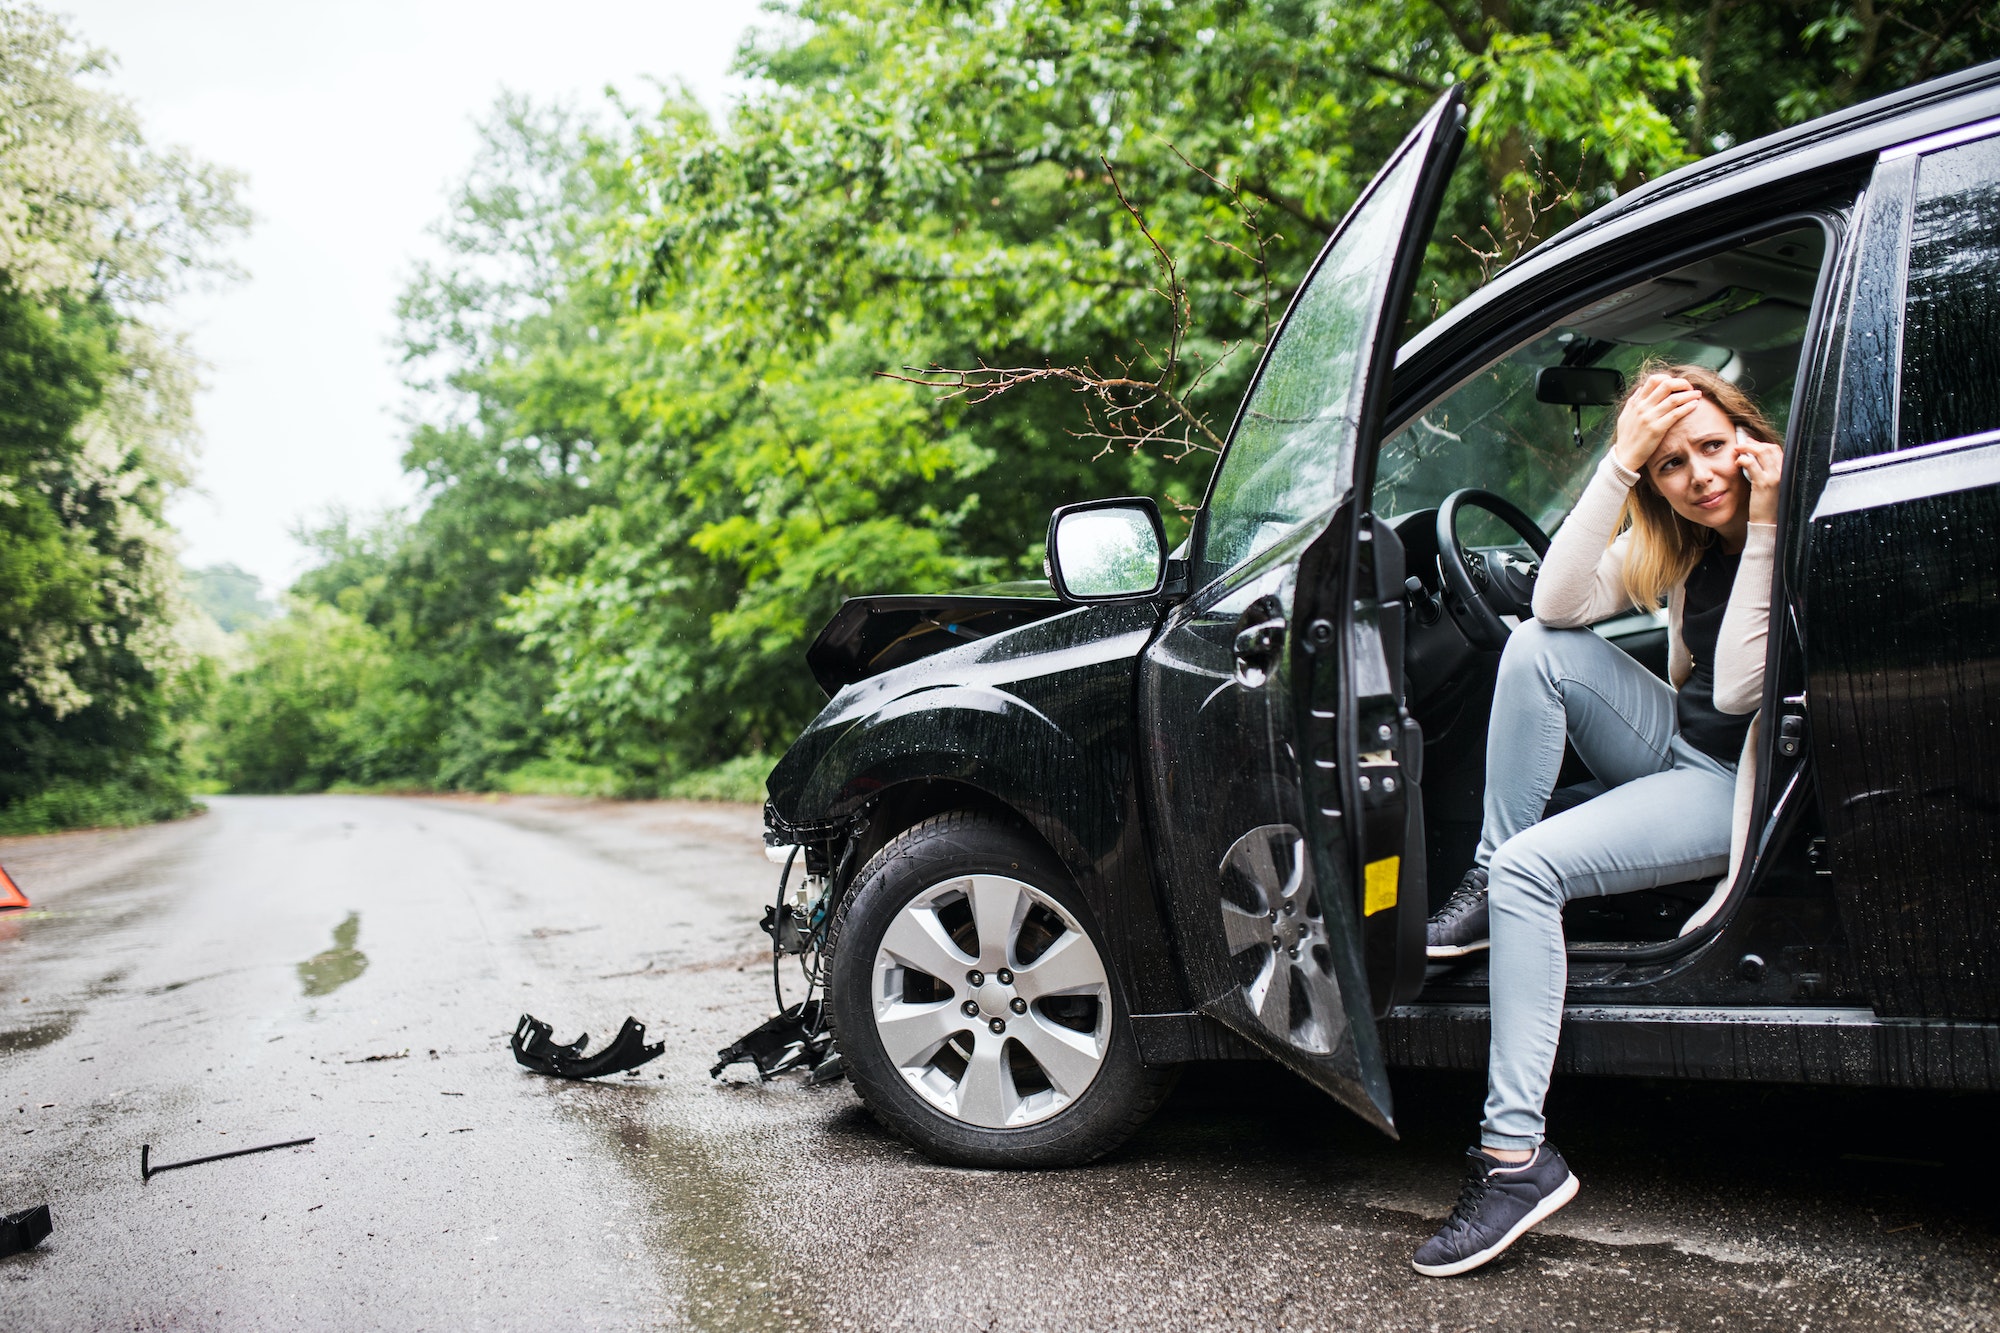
x=1059 y=839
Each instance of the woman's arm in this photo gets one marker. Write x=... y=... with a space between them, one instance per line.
x=1745 y=635
x=1742 y=642
x=1582 y=575
x=1581 y=580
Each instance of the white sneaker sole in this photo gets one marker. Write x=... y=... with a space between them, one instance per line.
x=1564 y=1193
x=1456 y=950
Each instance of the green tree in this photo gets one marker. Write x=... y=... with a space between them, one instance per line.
x=232 y=597
x=320 y=703
x=659 y=436
x=96 y=230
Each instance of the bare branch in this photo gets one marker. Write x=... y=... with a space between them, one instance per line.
x=1146 y=400
x=1520 y=232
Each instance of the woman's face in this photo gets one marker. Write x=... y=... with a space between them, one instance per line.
x=1694 y=469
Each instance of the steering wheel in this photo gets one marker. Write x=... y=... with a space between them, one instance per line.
x=1479 y=591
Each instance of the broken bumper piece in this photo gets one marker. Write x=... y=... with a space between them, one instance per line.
x=628 y=1050
x=795 y=1039
x=23 y=1231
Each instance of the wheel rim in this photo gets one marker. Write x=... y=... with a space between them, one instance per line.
x=1277 y=941
x=991 y=1001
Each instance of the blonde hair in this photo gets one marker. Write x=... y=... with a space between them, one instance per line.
x=1666 y=547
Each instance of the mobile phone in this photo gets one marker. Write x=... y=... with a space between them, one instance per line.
x=1743 y=442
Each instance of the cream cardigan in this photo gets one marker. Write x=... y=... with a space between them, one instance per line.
x=1581 y=583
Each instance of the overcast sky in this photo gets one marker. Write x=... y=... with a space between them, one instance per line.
x=351 y=120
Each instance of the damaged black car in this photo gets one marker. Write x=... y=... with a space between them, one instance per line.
x=1048 y=842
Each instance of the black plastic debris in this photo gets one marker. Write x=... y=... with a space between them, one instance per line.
x=23 y=1231
x=797 y=1038
x=147 y=1170
x=789 y=929
x=628 y=1050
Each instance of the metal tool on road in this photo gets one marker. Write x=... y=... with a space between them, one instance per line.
x=147 y=1170
x=628 y=1050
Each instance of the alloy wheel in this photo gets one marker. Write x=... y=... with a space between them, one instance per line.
x=992 y=1001
x=1276 y=934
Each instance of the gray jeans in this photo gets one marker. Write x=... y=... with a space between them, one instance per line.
x=1663 y=819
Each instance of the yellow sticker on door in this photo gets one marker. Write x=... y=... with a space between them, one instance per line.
x=1378 y=888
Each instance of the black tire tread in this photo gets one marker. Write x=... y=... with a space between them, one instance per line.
x=1149 y=1086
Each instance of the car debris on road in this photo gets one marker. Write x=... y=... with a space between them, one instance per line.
x=23 y=1231
x=628 y=1050
x=147 y=1170
x=798 y=1036
x=795 y=1038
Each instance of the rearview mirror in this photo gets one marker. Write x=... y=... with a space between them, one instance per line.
x=1578 y=386
x=1107 y=550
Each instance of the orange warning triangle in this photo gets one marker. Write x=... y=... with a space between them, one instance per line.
x=10 y=892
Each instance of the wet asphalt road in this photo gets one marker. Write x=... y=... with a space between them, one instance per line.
x=350 y=967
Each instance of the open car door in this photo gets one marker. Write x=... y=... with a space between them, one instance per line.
x=1277 y=783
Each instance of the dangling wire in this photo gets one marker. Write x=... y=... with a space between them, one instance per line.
x=777 y=920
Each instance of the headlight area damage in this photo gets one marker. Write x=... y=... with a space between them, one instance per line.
x=797 y=1037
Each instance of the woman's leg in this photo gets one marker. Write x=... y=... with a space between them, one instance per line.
x=1557 y=683
x=1660 y=829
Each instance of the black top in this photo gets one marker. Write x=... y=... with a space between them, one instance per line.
x=1713 y=732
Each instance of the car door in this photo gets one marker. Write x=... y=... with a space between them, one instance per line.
x=1270 y=700
x=1902 y=592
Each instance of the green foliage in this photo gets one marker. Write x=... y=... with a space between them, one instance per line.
x=561 y=777
x=320 y=703
x=232 y=597
x=739 y=779
x=95 y=230
x=660 y=436
x=136 y=797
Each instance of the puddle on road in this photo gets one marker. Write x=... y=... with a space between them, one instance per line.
x=45 y=1033
x=731 y=1275
x=326 y=972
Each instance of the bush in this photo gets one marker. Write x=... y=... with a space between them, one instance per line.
x=320 y=703
x=737 y=780
x=67 y=804
x=562 y=777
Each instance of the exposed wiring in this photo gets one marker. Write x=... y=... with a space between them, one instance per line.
x=777 y=915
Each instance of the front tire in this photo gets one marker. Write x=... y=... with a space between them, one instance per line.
x=974 y=1007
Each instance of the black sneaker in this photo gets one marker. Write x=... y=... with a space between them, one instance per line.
x=1501 y=1202
x=1459 y=928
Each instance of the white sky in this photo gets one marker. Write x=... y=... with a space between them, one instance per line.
x=352 y=121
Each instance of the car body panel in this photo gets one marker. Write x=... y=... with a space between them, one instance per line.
x=870 y=635
x=1274 y=865
x=1903 y=594
x=1037 y=720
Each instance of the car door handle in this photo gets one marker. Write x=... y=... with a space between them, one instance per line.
x=1257 y=648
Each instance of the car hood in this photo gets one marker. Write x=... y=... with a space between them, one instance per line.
x=870 y=635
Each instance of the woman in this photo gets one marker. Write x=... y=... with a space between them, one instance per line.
x=1692 y=481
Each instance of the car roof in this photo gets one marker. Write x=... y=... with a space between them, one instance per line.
x=1864 y=128
x=1846 y=138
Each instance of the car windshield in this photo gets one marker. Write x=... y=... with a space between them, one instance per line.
x=1741 y=313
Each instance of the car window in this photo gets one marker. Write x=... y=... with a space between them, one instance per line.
x=1292 y=454
x=1741 y=313
x=1951 y=320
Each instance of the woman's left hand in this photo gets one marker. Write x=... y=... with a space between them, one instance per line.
x=1764 y=464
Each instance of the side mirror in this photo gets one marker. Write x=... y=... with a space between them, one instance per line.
x=1107 y=550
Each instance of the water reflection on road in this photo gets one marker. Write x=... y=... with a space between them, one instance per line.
x=330 y=969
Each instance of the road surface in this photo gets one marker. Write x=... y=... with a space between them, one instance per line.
x=349 y=968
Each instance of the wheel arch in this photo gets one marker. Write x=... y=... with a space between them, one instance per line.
x=908 y=804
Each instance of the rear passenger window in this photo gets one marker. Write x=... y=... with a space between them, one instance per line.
x=1951 y=315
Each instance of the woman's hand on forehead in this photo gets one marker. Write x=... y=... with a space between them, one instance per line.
x=1656 y=407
